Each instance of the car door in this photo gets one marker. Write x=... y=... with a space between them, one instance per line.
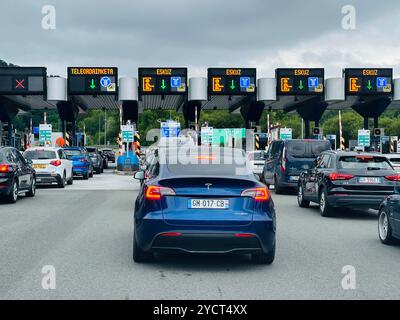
x=24 y=174
x=66 y=163
x=271 y=162
x=313 y=177
x=323 y=167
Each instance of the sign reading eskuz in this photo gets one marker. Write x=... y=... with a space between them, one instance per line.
x=92 y=81
x=359 y=81
x=23 y=81
x=300 y=82
x=162 y=81
x=231 y=81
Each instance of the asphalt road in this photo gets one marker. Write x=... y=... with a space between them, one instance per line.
x=85 y=232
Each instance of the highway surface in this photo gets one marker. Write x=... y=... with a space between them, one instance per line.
x=85 y=232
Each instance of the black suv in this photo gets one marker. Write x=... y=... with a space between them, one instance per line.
x=347 y=179
x=286 y=159
x=16 y=175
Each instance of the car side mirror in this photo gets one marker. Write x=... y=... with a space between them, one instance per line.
x=139 y=175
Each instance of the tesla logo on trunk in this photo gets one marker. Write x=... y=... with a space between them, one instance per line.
x=208 y=185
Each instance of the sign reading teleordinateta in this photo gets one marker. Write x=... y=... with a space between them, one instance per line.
x=364 y=138
x=92 y=81
x=45 y=131
x=285 y=133
x=127 y=133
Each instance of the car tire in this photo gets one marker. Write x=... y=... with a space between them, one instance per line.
x=98 y=171
x=264 y=258
x=384 y=228
x=139 y=255
x=86 y=176
x=71 y=181
x=32 y=189
x=300 y=198
x=278 y=188
x=325 y=208
x=91 y=174
x=13 y=196
x=62 y=181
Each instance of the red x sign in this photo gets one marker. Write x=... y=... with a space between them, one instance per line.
x=20 y=84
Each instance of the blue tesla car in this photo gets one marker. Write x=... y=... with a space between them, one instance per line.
x=203 y=200
x=81 y=163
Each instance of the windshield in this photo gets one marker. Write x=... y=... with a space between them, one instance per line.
x=364 y=162
x=306 y=149
x=73 y=152
x=40 y=154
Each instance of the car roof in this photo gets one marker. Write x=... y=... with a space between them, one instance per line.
x=44 y=148
x=392 y=155
x=341 y=153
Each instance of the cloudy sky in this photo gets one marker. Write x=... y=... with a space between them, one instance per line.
x=201 y=33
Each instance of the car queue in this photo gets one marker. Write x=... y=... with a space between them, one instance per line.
x=21 y=173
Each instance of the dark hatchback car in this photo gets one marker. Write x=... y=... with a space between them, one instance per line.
x=210 y=204
x=347 y=179
x=389 y=219
x=109 y=153
x=16 y=175
x=286 y=159
x=97 y=159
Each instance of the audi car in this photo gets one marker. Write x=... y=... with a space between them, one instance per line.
x=16 y=175
x=347 y=179
x=203 y=200
x=97 y=159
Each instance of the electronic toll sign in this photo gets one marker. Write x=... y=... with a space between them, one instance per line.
x=359 y=81
x=231 y=81
x=300 y=82
x=162 y=81
x=92 y=81
x=23 y=81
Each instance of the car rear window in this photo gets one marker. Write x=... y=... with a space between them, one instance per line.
x=306 y=149
x=395 y=160
x=91 y=150
x=256 y=155
x=40 y=154
x=217 y=162
x=364 y=162
x=73 y=152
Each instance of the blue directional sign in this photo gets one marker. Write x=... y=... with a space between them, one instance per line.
x=313 y=82
x=381 y=82
x=105 y=82
x=175 y=82
x=244 y=82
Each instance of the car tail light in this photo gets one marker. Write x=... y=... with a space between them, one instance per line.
x=155 y=192
x=393 y=178
x=4 y=168
x=171 y=234
x=283 y=165
x=340 y=176
x=244 y=235
x=258 y=194
x=55 y=163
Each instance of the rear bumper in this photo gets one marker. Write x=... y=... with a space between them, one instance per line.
x=47 y=178
x=79 y=171
x=356 y=201
x=5 y=186
x=149 y=235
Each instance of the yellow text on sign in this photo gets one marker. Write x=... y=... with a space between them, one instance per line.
x=146 y=84
x=285 y=86
x=233 y=72
x=216 y=84
x=353 y=85
x=164 y=72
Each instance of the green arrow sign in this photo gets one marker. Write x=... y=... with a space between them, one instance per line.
x=163 y=86
x=369 y=86
x=301 y=87
x=232 y=86
x=92 y=84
